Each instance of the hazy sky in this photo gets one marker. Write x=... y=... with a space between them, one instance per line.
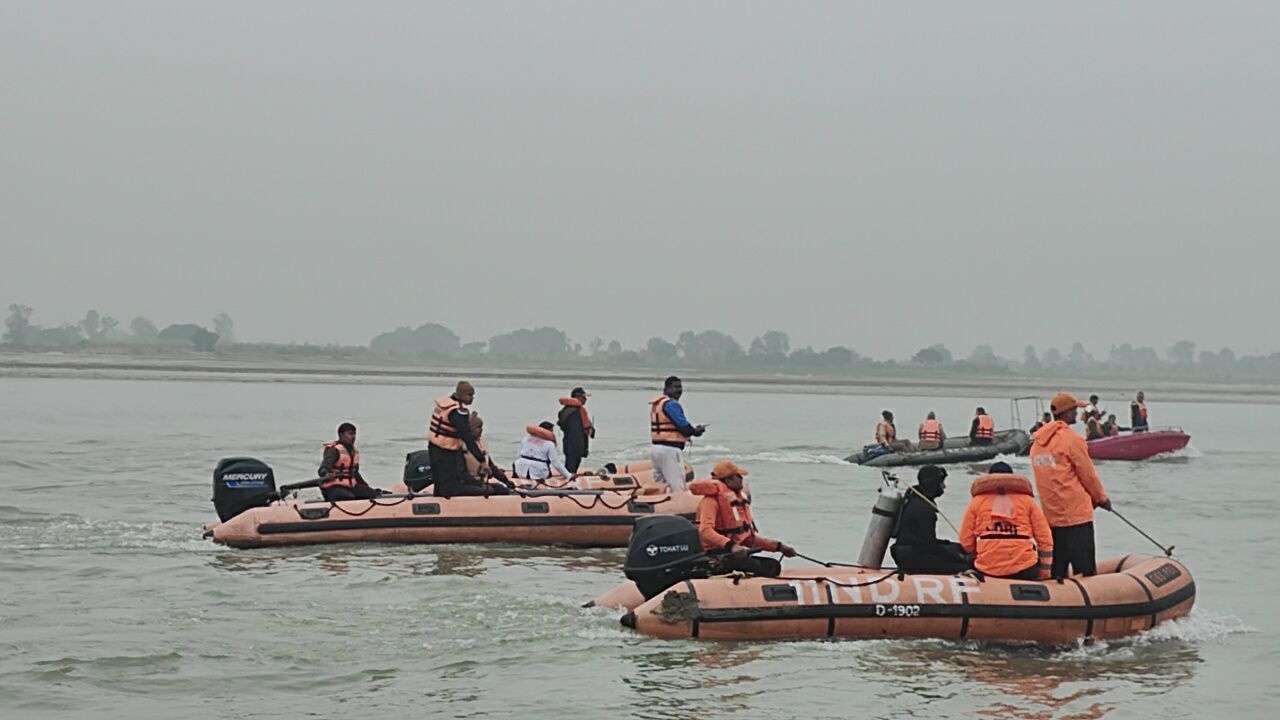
x=881 y=176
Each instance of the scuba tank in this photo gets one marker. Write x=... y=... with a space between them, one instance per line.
x=884 y=516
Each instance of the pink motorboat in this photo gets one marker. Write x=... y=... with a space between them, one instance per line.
x=1139 y=446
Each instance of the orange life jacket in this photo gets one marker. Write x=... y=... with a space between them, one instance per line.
x=540 y=432
x=345 y=469
x=1005 y=528
x=986 y=427
x=930 y=431
x=886 y=430
x=733 y=523
x=662 y=430
x=440 y=431
x=1142 y=410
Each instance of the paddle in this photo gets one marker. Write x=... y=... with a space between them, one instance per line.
x=1168 y=551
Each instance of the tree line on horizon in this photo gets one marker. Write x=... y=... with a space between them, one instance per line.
x=771 y=350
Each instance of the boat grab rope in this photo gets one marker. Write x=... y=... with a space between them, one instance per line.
x=837 y=583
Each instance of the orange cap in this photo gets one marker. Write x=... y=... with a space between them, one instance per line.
x=1063 y=402
x=726 y=468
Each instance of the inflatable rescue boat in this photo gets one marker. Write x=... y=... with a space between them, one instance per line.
x=252 y=514
x=1128 y=595
x=953 y=450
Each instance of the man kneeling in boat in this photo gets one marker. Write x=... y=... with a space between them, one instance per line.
x=918 y=549
x=1005 y=529
x=726 y=528
x=340 y=469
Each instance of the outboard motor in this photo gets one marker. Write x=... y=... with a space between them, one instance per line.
x=242 y=483
x=884 y=516
x=417 y=470
x=664 y=550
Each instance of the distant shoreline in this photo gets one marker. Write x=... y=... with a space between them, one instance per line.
x=392 y=371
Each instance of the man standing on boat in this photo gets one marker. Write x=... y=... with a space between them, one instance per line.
x=1069 y=488
x=1138 y=413
x=448 y=438
x=669 y=432
x=575 y=424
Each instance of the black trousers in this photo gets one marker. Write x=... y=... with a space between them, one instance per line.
x=751 y=564
x=1031 y=573
x=359 y=492
x=572 y=459
x=450 y=477
x=1073 y=545
x=942 y=558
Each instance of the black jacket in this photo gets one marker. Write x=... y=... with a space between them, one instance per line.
x=917 y=522
x=576 y=442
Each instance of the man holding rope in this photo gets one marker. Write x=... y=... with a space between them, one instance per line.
x=1069 y=488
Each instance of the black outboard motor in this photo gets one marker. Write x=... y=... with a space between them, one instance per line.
x=664 y=550
x=242 y=483
x=417 y=470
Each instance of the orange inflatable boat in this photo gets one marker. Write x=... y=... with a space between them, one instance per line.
x=1128 y=595
x=583 y=518
x=254 y=513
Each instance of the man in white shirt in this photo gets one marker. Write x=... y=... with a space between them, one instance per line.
x=538 y=456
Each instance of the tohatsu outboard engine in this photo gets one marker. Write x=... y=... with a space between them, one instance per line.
x=884 y=516
x=664 y=550
x=242 y=483
x=417 y=470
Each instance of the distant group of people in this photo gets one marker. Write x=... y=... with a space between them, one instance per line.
x=1099 y=424
x=931 y=435
x=1005 y=531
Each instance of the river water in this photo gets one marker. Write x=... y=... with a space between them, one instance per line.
x=111 y=605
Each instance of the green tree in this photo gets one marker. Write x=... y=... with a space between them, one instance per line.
x=143 y=329
x=17 y=327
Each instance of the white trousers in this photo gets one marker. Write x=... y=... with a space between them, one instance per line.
x=668 y=466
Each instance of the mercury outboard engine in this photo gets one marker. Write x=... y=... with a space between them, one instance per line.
x=664 y=550
x=417 y=470
x=884 y=517
x=242 y=483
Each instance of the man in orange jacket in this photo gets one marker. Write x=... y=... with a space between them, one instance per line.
x=1068 y=486
x=725 y=525
x=1005 y=529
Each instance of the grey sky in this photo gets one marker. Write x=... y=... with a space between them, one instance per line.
x=881 y=176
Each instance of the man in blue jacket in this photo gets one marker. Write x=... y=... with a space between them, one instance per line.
x=669 y=432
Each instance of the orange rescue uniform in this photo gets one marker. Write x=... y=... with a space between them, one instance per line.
x=1005 y=528
x=724 y=518
x=1066 y=480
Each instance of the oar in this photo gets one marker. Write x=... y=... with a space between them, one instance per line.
x=1168 y=551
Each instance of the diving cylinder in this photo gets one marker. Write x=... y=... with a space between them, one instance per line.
x=884 y=515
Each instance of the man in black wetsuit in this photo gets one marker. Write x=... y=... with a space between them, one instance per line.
x=918 y=549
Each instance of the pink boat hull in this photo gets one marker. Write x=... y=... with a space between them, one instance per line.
x=1138 y=446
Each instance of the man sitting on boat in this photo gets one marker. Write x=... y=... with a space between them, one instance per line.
x=931 y=433
x=725 y=525
x=1111 y=427
x=887 y=435
x=983 y=429
x=1005 y=529
x=339 y=471
x=918 y=549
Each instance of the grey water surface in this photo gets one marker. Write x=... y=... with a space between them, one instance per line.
x=111 y=604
